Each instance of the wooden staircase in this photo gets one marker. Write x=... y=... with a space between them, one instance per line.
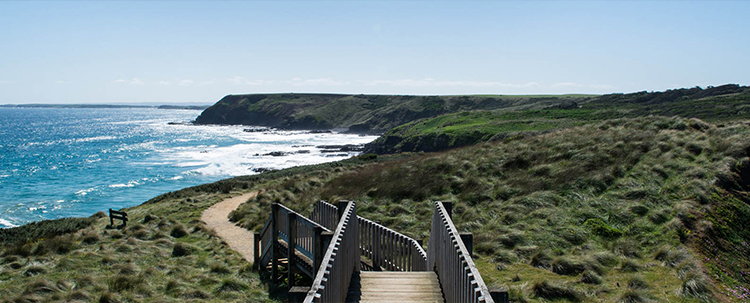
x=394 y=286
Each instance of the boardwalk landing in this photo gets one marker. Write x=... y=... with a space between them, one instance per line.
x=392 y=286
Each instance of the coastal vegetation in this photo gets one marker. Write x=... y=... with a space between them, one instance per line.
x=713 y=104
x=642 y=199
x=623 y=210
x=358 y=113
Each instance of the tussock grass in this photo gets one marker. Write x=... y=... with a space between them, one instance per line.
x=634 y=296
x=525 y=199
x=590 y=277
x=550 y=291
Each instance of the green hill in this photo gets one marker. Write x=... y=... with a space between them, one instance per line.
x=358 y=113
x=632 y=210
x=714 y=104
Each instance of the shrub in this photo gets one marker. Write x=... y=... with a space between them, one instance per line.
x=90 y=238
x=598 y=227
x=178 y=231
x=696 y=285
x=540 y=259
x=512 y=239
x=108 y=297
x=181 y=250
x=122 y=282
x=548 y=291
x=220 y=269
x=633 y=296
x=196 y=294
x=228 y=285
x=637 y=283
x=563 y=266
x=590 y=277
x=630 y=266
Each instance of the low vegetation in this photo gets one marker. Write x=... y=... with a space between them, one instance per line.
x=713 y=104
x=614 y=211
x=590 y=208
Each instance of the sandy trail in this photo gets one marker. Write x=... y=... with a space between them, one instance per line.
x=238 y=238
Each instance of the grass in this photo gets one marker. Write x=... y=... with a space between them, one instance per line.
x=659 y=227
x=601 y=199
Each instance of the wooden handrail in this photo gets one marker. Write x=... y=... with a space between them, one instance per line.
x=448 y=255
x=325 y=214
x=340 y=261
x=390 y=249
x=385 y=247
x=305 y=238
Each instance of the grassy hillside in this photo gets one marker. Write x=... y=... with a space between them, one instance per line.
x=629 y=210
x=714 y=104
x=359 y=113
x=624 y=210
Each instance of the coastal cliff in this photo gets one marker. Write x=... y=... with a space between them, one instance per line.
x=357 y=113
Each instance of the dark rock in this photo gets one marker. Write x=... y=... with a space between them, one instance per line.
x=256 y=130
x=276 y=154
x=336 y=155
x=341 y=148
x=261 y=169
x=316 y=131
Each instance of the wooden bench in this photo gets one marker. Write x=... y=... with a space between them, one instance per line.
x=120 y=215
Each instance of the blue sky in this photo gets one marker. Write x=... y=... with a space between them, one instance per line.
x=197 y=52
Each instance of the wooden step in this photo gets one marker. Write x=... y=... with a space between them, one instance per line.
x=390 y=286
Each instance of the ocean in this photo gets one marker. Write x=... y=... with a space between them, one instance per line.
x=68 y=162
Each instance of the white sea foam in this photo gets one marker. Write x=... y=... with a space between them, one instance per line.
x=6 y=224
x=84 y=192
x=240 y=159
x=129 y=184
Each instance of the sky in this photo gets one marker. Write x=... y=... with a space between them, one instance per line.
x=195 y=52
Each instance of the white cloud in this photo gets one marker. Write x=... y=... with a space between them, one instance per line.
x=567 y=84
x=236 y=80
x=164 y=83
x=579 y=85
x=430 y=82
x=318 y=82
x=60 y=82
x=134 y=81
x=5 y=82
x=186 y=82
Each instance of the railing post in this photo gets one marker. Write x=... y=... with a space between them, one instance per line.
x=318 y=248
x=448 y=208
x=273 y=242
x=297 y=294
x=468 y=239
x=291 y=223
x=256 y=251
x=341 y=208
x=500 y=295
x=325 y=239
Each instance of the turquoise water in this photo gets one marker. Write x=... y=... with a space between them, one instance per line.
x=74 y=162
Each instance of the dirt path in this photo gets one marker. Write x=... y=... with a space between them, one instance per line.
x=238 y=238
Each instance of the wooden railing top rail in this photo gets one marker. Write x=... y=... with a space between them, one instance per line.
x=461 y=249
x=300 y=218
x=417 y=246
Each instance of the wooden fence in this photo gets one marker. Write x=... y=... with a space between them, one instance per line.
x=448 y=255
x=341 y=260
x=325 y=214
x=294 y=231
x=389 y=249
